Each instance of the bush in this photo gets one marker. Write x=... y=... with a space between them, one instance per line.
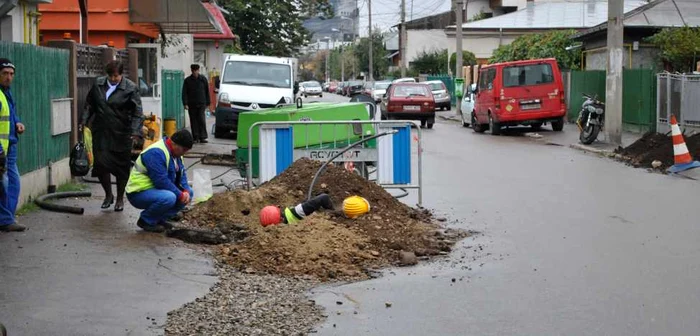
x=535 y=46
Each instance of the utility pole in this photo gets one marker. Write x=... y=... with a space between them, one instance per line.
x=371 y=42
x=459 y=13
x=342 y=63
x=613 y=82
x=402 y=39
x=328 y=54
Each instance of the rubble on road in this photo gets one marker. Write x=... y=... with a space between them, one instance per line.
x=656 y=147
x=326 y=245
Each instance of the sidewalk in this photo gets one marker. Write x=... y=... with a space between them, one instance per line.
x=99 y=274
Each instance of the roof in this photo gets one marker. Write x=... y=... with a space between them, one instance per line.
x=226 y=33
x=522 y=62
x=563 y=14
x=657 y=14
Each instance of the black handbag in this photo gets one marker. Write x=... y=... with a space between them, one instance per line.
x=79 y=163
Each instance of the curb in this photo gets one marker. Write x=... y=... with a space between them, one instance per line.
x=603 y=152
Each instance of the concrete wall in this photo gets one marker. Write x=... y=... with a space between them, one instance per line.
x=424 y=40
x=179 y=57
x=36 y=183
x=482 y=45
x=645 y=57
x=12 y=25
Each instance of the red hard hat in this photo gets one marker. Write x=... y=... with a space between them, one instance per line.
x=270 y=215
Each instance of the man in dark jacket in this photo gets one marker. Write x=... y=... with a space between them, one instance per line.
x=195 y=97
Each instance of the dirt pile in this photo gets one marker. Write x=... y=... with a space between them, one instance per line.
x=654 y=146
x=325 y=245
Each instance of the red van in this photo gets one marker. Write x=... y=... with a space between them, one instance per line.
x=519 y=93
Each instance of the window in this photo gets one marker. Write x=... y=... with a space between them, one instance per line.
x=486 y=79
x=148 y=71
x=411 y=90
x=200 y=57
x=527 y=75
x=258 y=74
x=437 y=86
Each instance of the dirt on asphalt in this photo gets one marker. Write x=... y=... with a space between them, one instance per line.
x=326 y=245
x=655 y=146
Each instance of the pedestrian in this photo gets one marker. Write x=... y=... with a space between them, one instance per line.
x=114 y=114
x=10 y=129
x=158 y=182
x=195 y=97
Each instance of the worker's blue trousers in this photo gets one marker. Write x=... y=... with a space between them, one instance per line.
x=9 y=193
x=157 y=205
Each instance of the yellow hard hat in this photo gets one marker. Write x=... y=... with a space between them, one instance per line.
x=355 y=206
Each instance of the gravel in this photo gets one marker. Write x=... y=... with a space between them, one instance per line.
x=249 y=304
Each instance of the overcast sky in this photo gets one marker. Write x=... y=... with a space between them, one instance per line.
x=386 y=13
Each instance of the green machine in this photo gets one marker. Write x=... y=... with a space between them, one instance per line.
x=312 y=136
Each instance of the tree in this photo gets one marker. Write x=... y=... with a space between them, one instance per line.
x=272 y=28
x=361 y=51
x=435 y=62
x=430 y=62
x=547 y=45
x=468 y=58
x=680 y=47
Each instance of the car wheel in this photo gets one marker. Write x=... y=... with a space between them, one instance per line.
x=320 y=96
x=430 y=125
x=448 y=108
x=558 y=125
x=494 y=126
x=423 y=123
x=464 y=123
x=476 y=126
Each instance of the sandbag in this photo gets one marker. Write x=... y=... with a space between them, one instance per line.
x=202 y=186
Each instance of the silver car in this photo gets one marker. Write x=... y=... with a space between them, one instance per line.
x=468 y=105
x=443 y=101
x=312 y=88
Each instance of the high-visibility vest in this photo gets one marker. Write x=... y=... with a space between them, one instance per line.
x=139 y=179
x=290 y=217
x=4 y=122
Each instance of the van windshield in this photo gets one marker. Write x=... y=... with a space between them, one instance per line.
x=257 y=74
x=522 y=75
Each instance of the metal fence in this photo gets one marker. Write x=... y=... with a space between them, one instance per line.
x=392 y=154
x=678 y=95
x=172 y=96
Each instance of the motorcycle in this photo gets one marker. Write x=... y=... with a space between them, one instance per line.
x=591 y=119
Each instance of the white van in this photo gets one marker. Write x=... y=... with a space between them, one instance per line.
x=250 y=83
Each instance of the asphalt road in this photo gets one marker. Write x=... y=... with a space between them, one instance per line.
x=570 y=244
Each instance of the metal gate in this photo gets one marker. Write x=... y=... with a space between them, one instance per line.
x=678 y=95
x=281 y=143
x=172 y=96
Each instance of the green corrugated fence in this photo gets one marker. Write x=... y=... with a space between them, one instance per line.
x=172 y=96
x=41 y=75
x=638 y=101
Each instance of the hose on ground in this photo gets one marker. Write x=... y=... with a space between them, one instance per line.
x=325 y=164
x=43 y=202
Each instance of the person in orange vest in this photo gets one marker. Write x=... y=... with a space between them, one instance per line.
x=10 y=129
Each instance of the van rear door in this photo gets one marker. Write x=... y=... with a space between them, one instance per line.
x=531 y=87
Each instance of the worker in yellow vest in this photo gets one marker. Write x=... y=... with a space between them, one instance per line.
x=10 y=129
x=158 y=182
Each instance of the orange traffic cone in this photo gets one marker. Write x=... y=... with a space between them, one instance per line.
x=682 y=159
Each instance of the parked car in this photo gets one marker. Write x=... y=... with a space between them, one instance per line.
x=519 y=93
x=354 y=88
x=377 y=90
x=404 y=80
x=443 y=100
x=311 y=88
x=325 y=86
x=341 y=88
x=467 y=105
x=409 y=101
x=332 y=87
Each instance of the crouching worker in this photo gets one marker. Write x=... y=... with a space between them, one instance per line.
x=158 y=182
x=272 y=215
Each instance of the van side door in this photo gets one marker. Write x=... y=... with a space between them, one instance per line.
x=485 y=93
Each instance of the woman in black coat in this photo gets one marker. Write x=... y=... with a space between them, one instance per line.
x=114 y=114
